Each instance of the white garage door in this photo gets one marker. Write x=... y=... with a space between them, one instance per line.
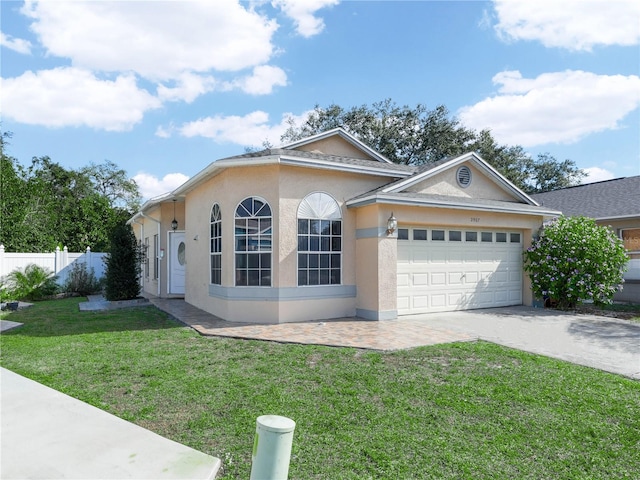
x=443 y=269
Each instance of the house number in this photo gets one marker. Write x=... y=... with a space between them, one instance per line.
x=475 y=219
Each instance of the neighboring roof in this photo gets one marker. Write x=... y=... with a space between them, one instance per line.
x=345 y=136
x=607 y=200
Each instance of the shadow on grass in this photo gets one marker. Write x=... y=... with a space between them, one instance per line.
x=53 y=318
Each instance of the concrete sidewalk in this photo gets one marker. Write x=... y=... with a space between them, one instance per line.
x=49 y=435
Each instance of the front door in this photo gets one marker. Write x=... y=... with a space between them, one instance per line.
x=177 y=262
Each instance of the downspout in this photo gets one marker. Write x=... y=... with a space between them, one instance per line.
x=159 y=249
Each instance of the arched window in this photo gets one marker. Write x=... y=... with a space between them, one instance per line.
x=216 y=245
x=319 y=240
x=253 y=233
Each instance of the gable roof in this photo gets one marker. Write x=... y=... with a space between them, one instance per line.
x=447 y=163
x=609 y=199
x=395 y=192
x=340 y=132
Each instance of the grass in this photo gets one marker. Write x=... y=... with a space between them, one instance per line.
x=468 y=410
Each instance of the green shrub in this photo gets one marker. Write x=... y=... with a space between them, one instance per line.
x=122 y=265
x=82 y=280
x=32 y=283
x=574 y=260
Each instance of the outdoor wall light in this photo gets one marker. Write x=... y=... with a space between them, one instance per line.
x=174 y=222
x=392 y=224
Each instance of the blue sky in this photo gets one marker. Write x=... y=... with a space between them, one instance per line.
x=164 y=88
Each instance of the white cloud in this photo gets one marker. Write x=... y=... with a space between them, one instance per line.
x=302 y=12
x=570 y=24
x=187 y=88
x=69 y=96
x=262 y=81
x=158 y=41
x=596 y=174
x=16 y=44
x=561 y=107
x=249 y=130
x=151 y=186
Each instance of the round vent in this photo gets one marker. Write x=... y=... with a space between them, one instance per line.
x=464 y=176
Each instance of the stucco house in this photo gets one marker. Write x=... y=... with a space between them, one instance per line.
x=614 y=203
x=326 y=228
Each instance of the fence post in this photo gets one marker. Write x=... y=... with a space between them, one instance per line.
x=1 y=260
x=65 y=257
x=57 y=259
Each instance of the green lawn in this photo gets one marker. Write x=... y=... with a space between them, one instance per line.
x=468 y=410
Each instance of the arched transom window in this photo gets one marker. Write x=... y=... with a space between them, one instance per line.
x=319 y=240
x=216 y=245
x=253 y=233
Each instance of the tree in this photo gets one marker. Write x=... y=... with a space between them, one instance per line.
x=574 y=260
x=46 y=205
x=122 y=274
x=419 y=136
x=112 y=183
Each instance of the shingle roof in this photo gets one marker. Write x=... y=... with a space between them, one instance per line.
x=392 y=167
x=608 y=199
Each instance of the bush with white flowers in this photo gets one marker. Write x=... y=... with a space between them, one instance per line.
x=574 y=260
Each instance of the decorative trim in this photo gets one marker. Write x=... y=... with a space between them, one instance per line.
x=376 y=315
x=374 y=232
x=390 y=199
x=285 y=294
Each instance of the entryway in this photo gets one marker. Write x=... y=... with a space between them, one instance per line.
x=177 y=263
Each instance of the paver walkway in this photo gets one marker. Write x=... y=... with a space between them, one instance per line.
x=397 y=334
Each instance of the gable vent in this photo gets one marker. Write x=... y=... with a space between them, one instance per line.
x=464 y=176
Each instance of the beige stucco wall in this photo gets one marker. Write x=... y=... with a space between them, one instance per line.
x=446 y=183
x=369 y=256
x=283 y=187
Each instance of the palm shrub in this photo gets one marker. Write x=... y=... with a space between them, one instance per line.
x=122 y=275
x=574 y=260
x=32 y=283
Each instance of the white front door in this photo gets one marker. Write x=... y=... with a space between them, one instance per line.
x=177 y=262
x=443 y=269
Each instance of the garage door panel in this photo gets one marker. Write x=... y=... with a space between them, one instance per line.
x=455 y=278
x=446 y=275
x=420 y=279
x=472 y=277
x=420 y=301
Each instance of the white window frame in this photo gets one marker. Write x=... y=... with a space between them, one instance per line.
x=322 y=210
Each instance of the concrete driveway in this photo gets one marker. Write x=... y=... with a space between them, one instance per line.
x=600 y=342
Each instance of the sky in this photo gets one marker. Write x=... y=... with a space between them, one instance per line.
x=162 y=89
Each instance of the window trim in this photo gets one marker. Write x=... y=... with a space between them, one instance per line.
x=212 y=239
x=237 y=252
x=156 y=256
x=335 y=209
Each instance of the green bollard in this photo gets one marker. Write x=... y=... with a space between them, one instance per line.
x=272 y=448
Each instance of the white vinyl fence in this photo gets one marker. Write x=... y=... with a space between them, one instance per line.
x=60 y=262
